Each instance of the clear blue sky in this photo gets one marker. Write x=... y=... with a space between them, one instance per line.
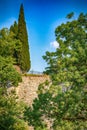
x=42 y=17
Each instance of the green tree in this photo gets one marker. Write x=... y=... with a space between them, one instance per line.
x=23 y=37
x=11 y=111
x=8 y=75
x=14 y=29
x=64 y=101
x=10 y=45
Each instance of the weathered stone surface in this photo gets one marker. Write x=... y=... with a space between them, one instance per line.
x=27 y=90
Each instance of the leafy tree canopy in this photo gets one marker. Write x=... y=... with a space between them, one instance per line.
x=64 y=101
x=8 y=75
x=10 y=46
x=11 y=112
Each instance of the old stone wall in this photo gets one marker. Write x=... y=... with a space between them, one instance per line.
x=27 y=89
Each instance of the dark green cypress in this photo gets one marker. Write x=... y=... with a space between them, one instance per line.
x=23 y=37
x=14 y=29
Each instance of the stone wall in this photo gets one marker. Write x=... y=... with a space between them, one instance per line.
x=27 y=89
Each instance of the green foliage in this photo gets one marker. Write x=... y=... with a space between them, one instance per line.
x=14 y=29
x=11 y=50
x=6 y=43
x=23 y=37
x=11 y=112
x=77 y=125
x=69 y=16
x=64 y=101
x=14 y=42
x=35 y=113
x=8 y=75
x=10 y=109
x=10 y=46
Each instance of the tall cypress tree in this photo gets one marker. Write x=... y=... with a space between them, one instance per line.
x=14 y=29
x=23 y=37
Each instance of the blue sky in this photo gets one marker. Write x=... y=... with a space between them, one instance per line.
x=42 y=17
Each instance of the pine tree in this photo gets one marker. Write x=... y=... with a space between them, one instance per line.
x=23 y=37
